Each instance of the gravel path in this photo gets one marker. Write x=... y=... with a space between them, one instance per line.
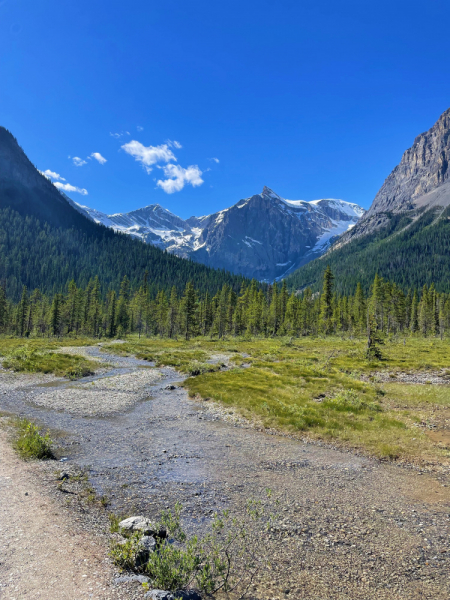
x=46 y=551
x=352 y=528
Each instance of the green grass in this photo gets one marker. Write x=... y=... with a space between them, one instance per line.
x=188 y=360
x=29 y=443
x=312 y=387
x=34 y=360
x=8 y=344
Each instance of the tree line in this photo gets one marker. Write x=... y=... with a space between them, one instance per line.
x=254 y=310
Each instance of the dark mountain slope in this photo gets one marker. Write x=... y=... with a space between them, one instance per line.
x=45 y=242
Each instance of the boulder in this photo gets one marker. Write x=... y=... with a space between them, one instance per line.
x=178 y=595
x=131 y=579
x=142 y=524
x=147 y=544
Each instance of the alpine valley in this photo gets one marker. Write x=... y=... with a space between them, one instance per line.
x=264 y=236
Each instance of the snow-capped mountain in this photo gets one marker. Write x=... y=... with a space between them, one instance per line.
x=264 y=236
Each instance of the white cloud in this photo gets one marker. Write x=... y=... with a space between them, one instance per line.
x=66 y=187
x=78 y=162
x=98 y=157
x=216 y=160
x=139 y=128
x=149 y=155
x=52 y=175
x=175 y=144
x=116 y=135
x=177 y=178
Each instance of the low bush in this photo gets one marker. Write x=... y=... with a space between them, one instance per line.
x=29 y=443
x=228 y=558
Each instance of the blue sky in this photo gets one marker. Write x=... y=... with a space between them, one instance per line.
x=314 y=99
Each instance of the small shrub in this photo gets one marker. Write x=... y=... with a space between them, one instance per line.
x=124 y=552
x=350 y=401
x=29 y=443
x=228 y=558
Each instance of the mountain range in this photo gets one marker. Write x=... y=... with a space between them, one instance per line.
x=405 y=235
x=45 y=242
x=46 y=239
x=263 y=236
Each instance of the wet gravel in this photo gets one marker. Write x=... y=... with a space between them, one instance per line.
x=352 y=527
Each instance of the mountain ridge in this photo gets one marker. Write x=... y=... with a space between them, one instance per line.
x=262 y=236
x=45 y=243
x=405 y=234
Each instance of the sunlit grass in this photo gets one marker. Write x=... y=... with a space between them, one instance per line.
x=29 y=443
x=34 y=360
x=308 y=386
x=294 y=385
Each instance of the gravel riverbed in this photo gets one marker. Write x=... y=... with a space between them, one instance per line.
x=352 y=527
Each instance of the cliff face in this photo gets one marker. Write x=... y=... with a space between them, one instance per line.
x=423 y=168
x=413 y=184
x=265 y=236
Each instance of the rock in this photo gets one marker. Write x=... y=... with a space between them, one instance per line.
x=131 y=579
x=63 y=476
x=147 y=545
x=139 y=523
x=178 y=595
x=159 y=595
x=170 y=387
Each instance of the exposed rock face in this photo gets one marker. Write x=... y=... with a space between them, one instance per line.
x=423 y=169
x=264 y=236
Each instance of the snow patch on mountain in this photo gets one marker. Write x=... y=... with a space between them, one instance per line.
x=290 y=232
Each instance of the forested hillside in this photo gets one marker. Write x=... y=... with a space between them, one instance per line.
x=45 y=242
x=39 y=255
x=410 y=254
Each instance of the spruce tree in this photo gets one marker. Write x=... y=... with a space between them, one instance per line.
x=187 y=312
x=22 y=312
x=55 y=315
x=326 y=300
x=3 y=310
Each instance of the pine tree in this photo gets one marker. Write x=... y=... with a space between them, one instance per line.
x=111 y=323
x=326 y=308
x=413 y=320
x=22 y=312
x=123 y=314
x=172 y=314
x=3 y=310
x=374 y=340
x=55 y=315
x=187 y=311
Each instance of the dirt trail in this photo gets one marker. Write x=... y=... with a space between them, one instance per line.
x=44 y=554
x=352 y=528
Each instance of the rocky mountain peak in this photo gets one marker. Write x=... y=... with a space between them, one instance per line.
x=423 y=168
x=268 y=193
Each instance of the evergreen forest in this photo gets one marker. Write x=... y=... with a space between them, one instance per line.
x=271 y=311
x=407 y=252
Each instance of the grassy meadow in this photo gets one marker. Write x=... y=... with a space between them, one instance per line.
x=42 y=356
x=321 y=388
